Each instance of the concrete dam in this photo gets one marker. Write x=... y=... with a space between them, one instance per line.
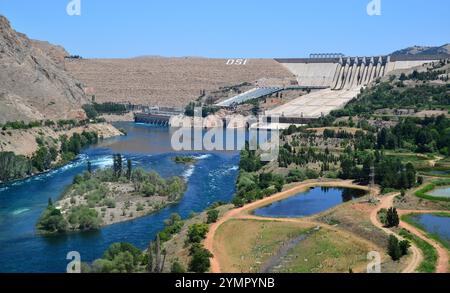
x=337 y=74
x=342 y=79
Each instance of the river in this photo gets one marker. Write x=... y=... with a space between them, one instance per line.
x=211 y=179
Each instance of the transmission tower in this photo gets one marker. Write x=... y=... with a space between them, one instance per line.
x=372 y=184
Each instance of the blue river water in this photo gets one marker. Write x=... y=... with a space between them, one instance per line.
x=315 y=200
x=435 y=224
x=210 y=180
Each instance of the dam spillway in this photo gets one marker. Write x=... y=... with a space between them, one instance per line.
x=337 y=73
x=341 y=78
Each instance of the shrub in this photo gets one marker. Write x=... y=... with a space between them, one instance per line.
x=213 y=215
x=394 y=248
x=392 y=219
x=199 y=262
x=177 y=268
x=52 y=221
x=197 y=232
x=84 y=218
x=139 y=207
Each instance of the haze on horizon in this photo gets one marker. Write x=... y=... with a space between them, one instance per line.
x=231 y=29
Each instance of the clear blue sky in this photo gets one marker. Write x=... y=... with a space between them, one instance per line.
x=231 y=28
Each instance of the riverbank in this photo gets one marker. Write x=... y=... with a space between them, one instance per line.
x=25 y=141
x=38 y=150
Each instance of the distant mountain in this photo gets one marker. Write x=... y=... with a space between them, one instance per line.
x=424 y=50
x=34 y=84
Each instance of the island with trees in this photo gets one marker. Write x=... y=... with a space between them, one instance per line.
x=107 y=196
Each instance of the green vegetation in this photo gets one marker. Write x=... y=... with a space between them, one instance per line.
x=91 y=192
x=177 y=268
x=428 y=265
x=184 y=160
x=83 y=218
x=423 y=192
x=388 y=95
x=389 y=217
x=173 y=225
x=118 y=258
x=197 y=232
x=95 y=109
x=249 y=160
x=200 y=256
x=206 y=110
x=251 y=187
x=431 y=134
x=213 y=215
x=397 y=249
x=14 y=167
x=110 y=108
x=52 y=221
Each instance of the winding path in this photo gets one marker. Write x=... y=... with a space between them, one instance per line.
x=242 y=213
x=442 y=262
x=385 y=202
x=417 y=257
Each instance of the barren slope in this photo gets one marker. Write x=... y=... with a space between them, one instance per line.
x=166 y=81
x=33 y=82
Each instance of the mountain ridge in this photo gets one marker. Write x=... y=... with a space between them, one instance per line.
x=34 y=84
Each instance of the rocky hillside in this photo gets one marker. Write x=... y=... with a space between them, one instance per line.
x=34 y=84
x=167 y=81
x=424 y=50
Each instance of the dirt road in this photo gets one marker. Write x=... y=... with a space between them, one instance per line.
x=243 y=211
x=385 y=203
x=442 y=262
x=417 y=257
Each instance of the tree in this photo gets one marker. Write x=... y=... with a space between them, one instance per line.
x=392 y=219
x=119 y=258
x=52 y=220
x=200 y=256
x=410 y=175
x=394 y=248
x=42 y=159
x=177 y=268
x=213 y=215
x=91 y=113
x=117 y=165
x=129 y=169
x=156 y=256
x=197 y=232
x=404 y=246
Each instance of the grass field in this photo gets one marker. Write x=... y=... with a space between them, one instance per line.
x=418 y=161
x=244 y=245
x=326 y=251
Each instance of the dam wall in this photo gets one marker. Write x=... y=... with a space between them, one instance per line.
x=343 y=77
x=313 y=74
x=337 y=73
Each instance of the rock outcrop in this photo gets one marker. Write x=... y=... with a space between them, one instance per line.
x=34 y=84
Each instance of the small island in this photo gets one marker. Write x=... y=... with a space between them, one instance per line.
x=109 y=196
x=185 y=160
